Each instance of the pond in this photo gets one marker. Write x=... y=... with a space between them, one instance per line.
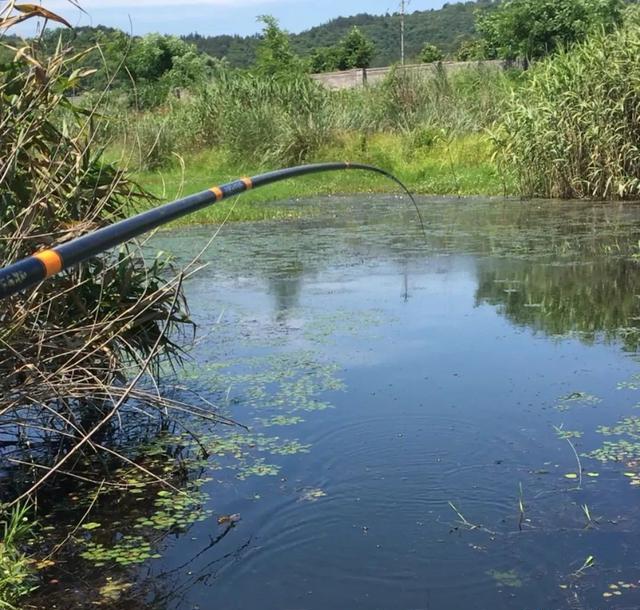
x=441 y=421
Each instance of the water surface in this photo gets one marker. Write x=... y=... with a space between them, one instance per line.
x=406 y=396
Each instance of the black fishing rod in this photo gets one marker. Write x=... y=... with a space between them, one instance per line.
x=36 y=268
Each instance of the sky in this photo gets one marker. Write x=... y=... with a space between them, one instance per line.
x=213 y=17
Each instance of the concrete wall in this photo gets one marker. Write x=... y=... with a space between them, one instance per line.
x=350 y=79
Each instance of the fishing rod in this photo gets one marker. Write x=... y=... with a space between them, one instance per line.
x=42 y=265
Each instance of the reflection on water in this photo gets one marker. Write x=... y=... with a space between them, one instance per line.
x=417 y=411
x=594 y=299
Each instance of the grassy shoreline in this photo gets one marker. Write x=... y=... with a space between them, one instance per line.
x=460 y=167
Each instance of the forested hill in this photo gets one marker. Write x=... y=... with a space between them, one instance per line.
x=445 y=27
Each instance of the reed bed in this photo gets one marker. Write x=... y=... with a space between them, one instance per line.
x=572 y=131
x=84 y=351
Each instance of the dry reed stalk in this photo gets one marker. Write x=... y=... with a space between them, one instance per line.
x=81 y=354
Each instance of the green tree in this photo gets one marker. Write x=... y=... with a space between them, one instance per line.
x=472 y=49
x=531 y=29
x=431 y=54
x=356 y=50
x=274 y=54
x=161 y=64
x=325 y=59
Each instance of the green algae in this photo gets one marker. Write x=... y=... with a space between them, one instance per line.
x=281 y=420
x=577 y=399
x=509 y=578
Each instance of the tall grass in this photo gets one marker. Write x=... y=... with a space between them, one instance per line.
x=573 y=130
x=286 y=119
x=16 y=580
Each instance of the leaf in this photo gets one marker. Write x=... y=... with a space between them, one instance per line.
x=91 y=526
x=34 y=10
x=571 y=476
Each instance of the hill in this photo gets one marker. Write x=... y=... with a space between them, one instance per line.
x=444 y=27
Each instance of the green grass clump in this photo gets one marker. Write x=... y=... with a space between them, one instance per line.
x=16 y=571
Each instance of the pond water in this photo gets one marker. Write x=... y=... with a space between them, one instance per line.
x=417 y=407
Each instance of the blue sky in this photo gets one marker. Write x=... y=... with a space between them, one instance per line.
x=219 y=16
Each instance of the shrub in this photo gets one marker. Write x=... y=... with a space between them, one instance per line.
x=431 y=54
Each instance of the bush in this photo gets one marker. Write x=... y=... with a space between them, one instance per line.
x=573 y=131
x=431 y=54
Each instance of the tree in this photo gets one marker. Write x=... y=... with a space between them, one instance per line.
x=356 y=50
x=531 y=29
x=431 y=54
x=473 y=50
x=274 y=55
x=325 y=59
x=161 y=64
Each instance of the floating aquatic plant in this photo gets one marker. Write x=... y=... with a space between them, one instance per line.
x=619 y=588
x=509 y=579
x=130 y=550
x=577 y=399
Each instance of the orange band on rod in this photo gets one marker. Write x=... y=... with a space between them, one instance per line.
x=247 y=182
x=51 y=260
x=217 y=191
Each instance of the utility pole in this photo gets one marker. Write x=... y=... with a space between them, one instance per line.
x=403 y=11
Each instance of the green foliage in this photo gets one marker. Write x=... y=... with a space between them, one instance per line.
x=16 y=578
x=431 y=54
x=274 y=54
x=443 y=27
x=272 y=120
x=160 y=65
x=472 y=49
x=572 y=130
x=356 y=50
x=146 y=69
x=325 y=59
x=289 y=118
x=531 y=29
x=131 y=550
x=453 y=102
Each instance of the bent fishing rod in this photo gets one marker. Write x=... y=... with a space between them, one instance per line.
x=42 y=265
